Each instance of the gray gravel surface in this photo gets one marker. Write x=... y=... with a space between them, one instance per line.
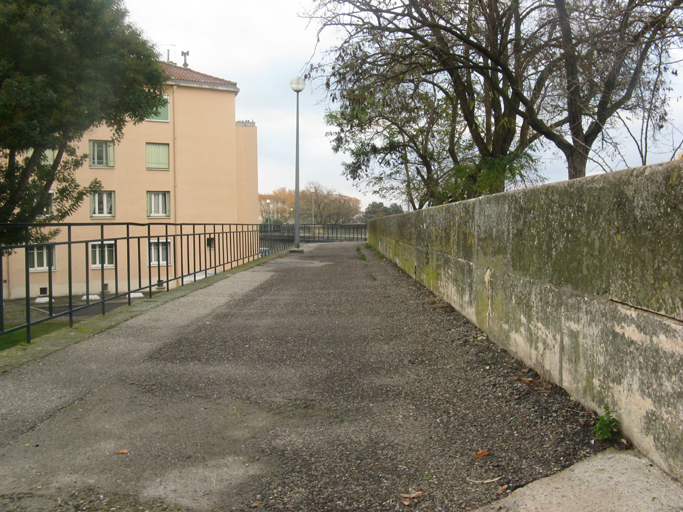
x=336 y=384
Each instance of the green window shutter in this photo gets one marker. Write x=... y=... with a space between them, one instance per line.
x=157 y=156
x=92 y=153
x=168 y=204
x=113 y=204
x=110 y=154
x=149 y=204
x=92 y=204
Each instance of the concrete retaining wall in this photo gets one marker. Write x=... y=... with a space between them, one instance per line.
x=583 y=280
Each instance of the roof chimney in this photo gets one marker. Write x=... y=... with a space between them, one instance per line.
x=185 y=55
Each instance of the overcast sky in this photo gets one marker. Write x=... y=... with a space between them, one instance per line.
x=261 y=45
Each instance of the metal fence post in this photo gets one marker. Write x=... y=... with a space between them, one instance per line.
x=28 y=284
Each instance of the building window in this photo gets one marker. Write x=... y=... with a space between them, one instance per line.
x=47 y=158
x=101 y=153
x=158 y=204
x=159 y=251
x=51 y=207
x=40 y=257
x=210 y=243
x=102 y=253
x=102 y=204
x=161 y=114
x=157 y=156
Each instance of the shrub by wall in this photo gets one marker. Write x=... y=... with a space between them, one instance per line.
x=583 y=280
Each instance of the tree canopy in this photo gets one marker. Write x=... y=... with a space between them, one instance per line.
x=378 y=209
x=515 y=74
x=327 y=205
x=65 y=66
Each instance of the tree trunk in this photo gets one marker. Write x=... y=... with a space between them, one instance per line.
x=576 y=163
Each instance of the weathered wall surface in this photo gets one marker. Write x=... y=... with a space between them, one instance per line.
x=581 y=279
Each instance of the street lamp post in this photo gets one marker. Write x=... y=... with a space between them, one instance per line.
x=297 y=84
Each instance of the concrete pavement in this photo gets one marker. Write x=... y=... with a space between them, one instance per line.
x=611 y=481
x=205 y=393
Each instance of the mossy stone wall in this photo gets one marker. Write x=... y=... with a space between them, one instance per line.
x=581 y=279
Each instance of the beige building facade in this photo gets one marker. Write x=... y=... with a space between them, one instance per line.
x=192 y=163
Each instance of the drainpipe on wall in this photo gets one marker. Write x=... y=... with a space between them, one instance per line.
x=175 y=186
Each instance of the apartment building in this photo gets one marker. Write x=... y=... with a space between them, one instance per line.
x=190 y=163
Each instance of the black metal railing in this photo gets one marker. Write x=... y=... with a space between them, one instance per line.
x=105 y=262
x=309 y=233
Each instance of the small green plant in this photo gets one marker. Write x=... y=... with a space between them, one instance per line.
x=358 y=248
x=607 y=426
x=367 y=245
x=362 y=256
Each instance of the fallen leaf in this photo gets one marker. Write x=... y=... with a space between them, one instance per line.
x=481 y=453
x=417 y=494
x=502 y=489
x=406 y=502
x=122 y=452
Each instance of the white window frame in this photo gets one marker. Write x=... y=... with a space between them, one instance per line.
x=94 y=203
x=107 y=154
x=110 y=259
x=32 y=259
x=168 y=113
x=154 y=204
x=51 y=208
x=153 y=165
x=153 y=253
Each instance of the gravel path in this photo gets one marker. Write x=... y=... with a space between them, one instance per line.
x=336 y=384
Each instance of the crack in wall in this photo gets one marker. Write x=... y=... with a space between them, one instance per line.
x=667 y=318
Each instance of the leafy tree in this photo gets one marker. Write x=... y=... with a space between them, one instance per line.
x=520 y=72
x=378 y=209
x=65 y=66
x=330 y=206
x=403 y=126
x=278 y=205
x=395 y=209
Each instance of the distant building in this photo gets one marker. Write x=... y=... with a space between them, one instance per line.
x=191 y=163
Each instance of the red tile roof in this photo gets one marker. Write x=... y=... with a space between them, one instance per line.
x=188 y=75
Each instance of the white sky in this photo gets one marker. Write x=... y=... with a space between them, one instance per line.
x=261 y=45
